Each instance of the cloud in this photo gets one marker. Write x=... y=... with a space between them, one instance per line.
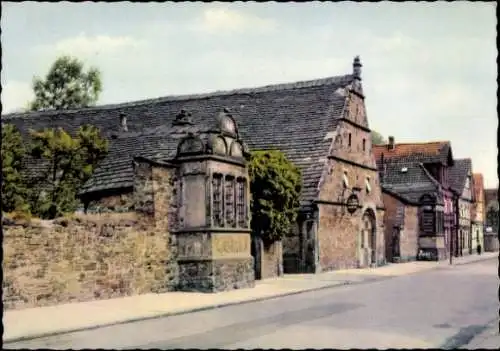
x=15 y=95
x=222 y=20
x=85 y=46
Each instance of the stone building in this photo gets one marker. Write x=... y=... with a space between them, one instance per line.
x=401 y=226
x=478 y=213
x=461 y=183
x=416 y=175
x=321 y=126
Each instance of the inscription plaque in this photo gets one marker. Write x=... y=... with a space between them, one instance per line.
x=224 y=245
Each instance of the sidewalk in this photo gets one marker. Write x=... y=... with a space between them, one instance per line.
x=33 y=322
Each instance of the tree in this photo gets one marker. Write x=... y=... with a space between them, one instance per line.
x=275 y=186
x=66 y=86
x=492 y=215
x=377 y=138
x=70 y=162
x=13 y=188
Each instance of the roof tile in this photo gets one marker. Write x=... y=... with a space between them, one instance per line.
x=294 y=118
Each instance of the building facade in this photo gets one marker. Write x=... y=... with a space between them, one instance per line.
x=401 y=224
x=320 y=125
x=461 y=183
x=418 y=173
x=491 y=241
x=478 y=213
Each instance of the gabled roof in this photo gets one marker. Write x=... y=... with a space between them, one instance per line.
x=458 y=174
x=296 y=118
x=409 y=180
x=436 y=151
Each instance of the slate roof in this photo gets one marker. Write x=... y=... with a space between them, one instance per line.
x=294 y=118
x=408 y=180
x=458 y=174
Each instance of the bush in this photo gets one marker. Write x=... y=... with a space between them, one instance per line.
x=13 y=188
x=275 y=186
x=71 y=161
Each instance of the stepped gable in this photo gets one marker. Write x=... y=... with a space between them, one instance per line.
x=295 y=118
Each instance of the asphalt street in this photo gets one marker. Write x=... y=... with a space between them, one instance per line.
x=442 y=308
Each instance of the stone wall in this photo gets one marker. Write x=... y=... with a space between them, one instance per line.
x=121 y=202
x=350 y=155
x=291 y=250
x=272 y=260
x=409 y=235
x=339 y=238
x=84 y=257
x=408 y=239
x=97 y=256
x=338 y=230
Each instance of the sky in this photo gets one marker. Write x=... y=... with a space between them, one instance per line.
x=429 y=69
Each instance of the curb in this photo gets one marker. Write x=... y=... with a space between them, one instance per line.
x=221 y=305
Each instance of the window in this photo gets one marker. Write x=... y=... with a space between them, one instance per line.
x=349 y=141
x=367 y=185
x=217 y=200
x=439 y=222
x=467 y=183
x=364 y=144
x=241 y=203
x=229 y=201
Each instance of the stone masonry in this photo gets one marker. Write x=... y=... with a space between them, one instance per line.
x=340 y=234
x=401 y=220
x=84 y=257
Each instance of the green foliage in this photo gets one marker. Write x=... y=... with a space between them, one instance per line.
x=492 y=212
x=66 y=86
x=13 y=188
x=70 y=162
x=377 y=138
x=275 y=187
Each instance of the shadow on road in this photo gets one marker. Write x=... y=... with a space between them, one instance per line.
x=219 y=337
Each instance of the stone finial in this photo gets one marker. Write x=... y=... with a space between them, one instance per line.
x=183 y=118
x=356 y=68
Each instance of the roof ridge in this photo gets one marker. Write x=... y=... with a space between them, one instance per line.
x=416 y=143
x=346 y=79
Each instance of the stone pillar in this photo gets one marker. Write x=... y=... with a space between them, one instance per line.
x=213 y=240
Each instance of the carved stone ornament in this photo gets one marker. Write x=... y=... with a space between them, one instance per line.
x=183 y=118
x=190 y=145
x=227 y=123
x=218 y=145
x=236 y=149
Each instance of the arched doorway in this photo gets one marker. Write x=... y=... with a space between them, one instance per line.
x=368 y=240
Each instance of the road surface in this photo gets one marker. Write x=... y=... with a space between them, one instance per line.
x=442 y=308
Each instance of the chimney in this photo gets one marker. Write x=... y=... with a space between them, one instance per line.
x=356 y=68
x=123 y=122
x=390 y=146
